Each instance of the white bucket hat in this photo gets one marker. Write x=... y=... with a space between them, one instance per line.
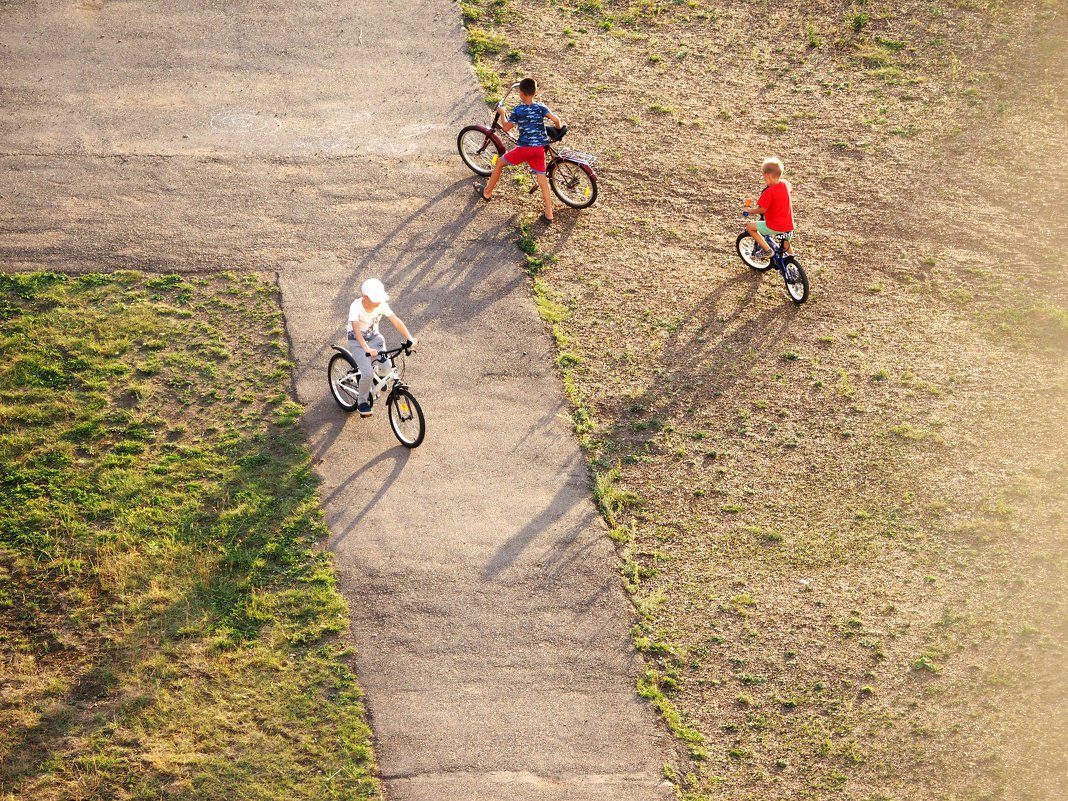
x=373 y=289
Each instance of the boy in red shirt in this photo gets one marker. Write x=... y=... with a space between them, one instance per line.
x=774 y=203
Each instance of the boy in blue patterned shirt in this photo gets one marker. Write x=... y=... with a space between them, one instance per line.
x=530 y=117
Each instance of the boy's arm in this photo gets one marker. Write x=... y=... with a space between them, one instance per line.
x=506 y=124
x=402 y=329
x=359 y=338
x=555 y=119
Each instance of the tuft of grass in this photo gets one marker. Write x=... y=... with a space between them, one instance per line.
x=813 y=36
x=481 y=42
x=610 y=498
x=873 y=56
x=526 y=242
x=490 y=81
x=926 y=662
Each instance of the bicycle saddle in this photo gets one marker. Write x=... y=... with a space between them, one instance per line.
x=555 y=134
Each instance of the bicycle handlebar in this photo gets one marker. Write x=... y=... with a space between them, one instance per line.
x=405 y=347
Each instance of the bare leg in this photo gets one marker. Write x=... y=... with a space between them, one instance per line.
x=498 y=168
x=546 y=194
x=752 y=229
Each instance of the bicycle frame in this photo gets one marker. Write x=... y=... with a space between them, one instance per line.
x=393 y=380
x=778 y=254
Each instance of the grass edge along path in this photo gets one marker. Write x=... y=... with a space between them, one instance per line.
x=651 y=685
x=168 y=625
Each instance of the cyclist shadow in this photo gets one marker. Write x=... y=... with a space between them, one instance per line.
x=562 y=549
x=468 y=255
x=345 y=521
x=323 y=423
x=469 y=243
x=449 y=258
x=721 y=353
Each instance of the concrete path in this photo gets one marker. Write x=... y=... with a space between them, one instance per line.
x=316 y=139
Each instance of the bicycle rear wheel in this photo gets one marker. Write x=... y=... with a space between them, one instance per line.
x=796 y=280
x=573 y=183
x=344 y=382
x=478 y=150
x=406 y=418
x=745 y=245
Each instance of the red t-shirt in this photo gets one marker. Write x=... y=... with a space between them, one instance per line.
x=780 y=214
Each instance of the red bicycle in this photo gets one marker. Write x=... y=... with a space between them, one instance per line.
x=570 y=172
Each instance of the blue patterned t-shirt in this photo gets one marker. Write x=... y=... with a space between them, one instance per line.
x=531 y=121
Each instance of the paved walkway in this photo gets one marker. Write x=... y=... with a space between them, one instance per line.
x=317 y=140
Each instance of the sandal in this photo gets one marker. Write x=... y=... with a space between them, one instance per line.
x=480 y=190
x=547 y=220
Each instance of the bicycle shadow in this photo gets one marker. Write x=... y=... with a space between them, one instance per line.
x=469 y=256
x=721 y=352
x=563 y=551
x=399 y=455
x=451 y=259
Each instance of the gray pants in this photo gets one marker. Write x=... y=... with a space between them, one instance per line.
x=376 y=341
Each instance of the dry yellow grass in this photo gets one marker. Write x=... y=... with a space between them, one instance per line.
x=845 y=523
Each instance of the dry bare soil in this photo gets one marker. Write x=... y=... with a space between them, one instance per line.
x=843 y=524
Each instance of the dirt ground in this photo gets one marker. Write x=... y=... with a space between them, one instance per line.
x=847 y=529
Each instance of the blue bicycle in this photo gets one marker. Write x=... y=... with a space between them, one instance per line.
x=793 y=274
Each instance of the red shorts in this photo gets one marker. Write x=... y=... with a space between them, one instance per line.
x=534 y=156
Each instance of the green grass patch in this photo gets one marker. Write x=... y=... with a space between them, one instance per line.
x=612 y=499
x=168 y=626
x=481 y=42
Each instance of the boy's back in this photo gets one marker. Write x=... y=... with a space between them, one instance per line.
x=530 y=118
x=777 y=203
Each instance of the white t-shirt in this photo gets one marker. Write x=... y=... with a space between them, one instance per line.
x=368 y=321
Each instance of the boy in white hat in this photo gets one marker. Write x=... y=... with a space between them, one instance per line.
x=365 y=341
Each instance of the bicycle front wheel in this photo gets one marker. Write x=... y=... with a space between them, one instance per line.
x=573 y=183
x=478 y=150
x=344 y=382
x=406 y=418
x=796 y=280
x=745 y=245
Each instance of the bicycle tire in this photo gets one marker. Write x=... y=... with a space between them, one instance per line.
x=339 y=368
x=745 y=244
x=406 y=418
x=797 y=289
x=573 y=182
x=478 y=149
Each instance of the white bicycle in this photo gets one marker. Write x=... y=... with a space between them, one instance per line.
x=405 y=414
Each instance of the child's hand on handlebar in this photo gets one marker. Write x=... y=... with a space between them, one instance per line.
x=372 y=353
